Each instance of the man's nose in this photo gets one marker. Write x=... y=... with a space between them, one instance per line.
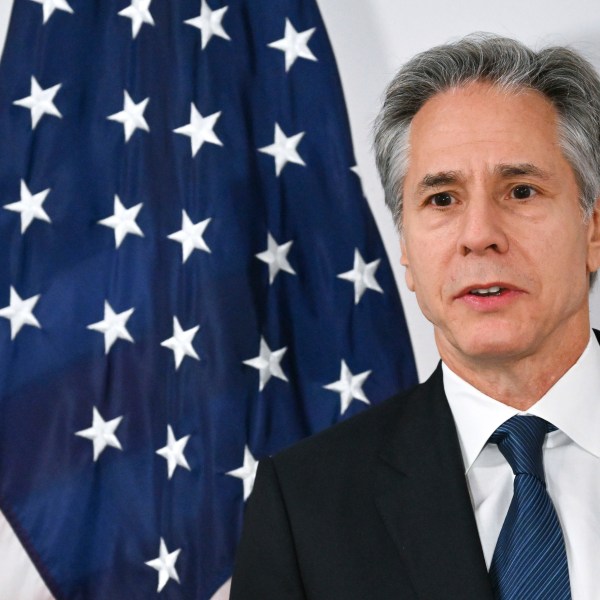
x=482 y=228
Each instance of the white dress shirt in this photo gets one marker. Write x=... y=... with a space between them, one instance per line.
x=571 y=462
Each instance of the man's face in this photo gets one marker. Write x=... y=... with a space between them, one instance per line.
x=494 y=242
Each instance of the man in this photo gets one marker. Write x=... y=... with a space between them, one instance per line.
x=490 y=157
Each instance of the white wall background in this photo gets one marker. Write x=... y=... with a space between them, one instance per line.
x=371 y=39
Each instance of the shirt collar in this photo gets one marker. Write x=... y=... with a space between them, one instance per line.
x=571 y=404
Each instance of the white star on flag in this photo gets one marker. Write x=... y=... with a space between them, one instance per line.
x=40 y=102
x=209 y=23
x=132 y=116
x=247 y=472
x=283 y=149
x=181 y=342
x=51 y=5
x=267 y=363
x=294 y=44
x=362 y=275
x=20 y=312
x=165 y=565
x=139 y=12
x=123 y=221
x=349 y=386
x=101 y=433
x=190 y=236
x=113 y=326
x=30 y=206
x=276 y=257
x=173 y=452
x=200 y=129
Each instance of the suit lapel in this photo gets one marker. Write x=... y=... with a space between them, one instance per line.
x=423 y=499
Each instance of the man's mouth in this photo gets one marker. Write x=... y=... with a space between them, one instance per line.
x=495 y=290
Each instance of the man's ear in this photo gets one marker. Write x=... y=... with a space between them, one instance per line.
x=410 y=284
x=593 y=254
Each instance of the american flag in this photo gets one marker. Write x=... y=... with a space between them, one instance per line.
x=190 y=280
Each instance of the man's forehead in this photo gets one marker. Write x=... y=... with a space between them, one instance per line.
x=508 y=132
x=484 y=90
x=447 y=104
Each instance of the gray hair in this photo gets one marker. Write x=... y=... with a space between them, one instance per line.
x=564 y=77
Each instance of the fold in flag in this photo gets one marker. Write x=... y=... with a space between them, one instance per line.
x=190 y=280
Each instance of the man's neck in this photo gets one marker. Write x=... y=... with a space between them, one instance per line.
x=518 y=382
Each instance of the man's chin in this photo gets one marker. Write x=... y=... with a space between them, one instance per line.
x=484 y=346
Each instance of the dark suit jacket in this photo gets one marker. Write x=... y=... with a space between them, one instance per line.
x=376 y=508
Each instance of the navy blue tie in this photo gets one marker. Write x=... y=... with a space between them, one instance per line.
x=529 y=562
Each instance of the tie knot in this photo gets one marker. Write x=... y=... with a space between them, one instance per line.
x=520 y=440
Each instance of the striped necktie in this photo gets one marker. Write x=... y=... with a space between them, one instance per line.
x=529 y=562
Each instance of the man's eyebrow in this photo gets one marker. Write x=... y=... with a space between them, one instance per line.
x=442 y=178
x=520 y=169
x=435 y=180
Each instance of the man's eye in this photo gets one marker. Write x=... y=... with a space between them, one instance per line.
x=441 y=200
x=522 y=192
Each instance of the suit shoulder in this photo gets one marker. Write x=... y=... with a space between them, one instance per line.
x=361 y=434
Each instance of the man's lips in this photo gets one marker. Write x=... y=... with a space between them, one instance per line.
x=489 y=297
x=487 y=290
